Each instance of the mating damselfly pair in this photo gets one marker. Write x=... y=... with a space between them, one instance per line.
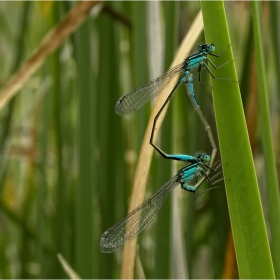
x=200 y=165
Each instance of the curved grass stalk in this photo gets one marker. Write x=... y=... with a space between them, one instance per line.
x=146 y=152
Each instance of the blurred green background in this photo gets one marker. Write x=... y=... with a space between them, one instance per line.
x=67 y=161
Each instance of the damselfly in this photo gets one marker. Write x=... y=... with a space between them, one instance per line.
x=139 y=97
x=128 y=228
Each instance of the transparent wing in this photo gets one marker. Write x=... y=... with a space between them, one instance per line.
x=139 y=97
x=128 y=228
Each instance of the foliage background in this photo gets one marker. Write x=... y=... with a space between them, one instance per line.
x=67 y=161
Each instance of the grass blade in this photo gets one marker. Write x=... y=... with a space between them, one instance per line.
x=245 y=209
x=146 y=152
x=268 y=149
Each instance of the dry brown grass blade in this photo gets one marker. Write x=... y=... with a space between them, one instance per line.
x=67 y=268
x=145 y=157
x=50 y=43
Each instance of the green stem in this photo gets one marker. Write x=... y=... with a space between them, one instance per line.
x=268 y=149
x=246 y=215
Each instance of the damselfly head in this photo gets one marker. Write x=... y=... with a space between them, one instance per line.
x=207 y=48
x=202 y=157
x=201 y=47
x=211 y=48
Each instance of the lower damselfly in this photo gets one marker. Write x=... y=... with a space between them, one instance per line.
x=128 y=228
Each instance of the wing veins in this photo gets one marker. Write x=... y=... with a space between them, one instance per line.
x=137 y=220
